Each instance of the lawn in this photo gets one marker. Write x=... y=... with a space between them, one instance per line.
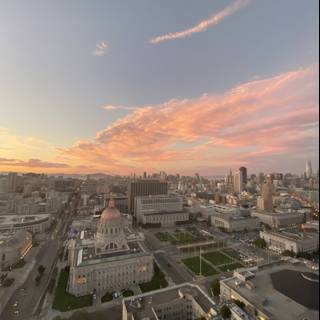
x=194 y=265
x=107 y=297
x=232 y=253
x=164 y=236
x=20 y=264
x=217 y=258
x=64 y=301
x=127 y=293
x=158 y=281
x=8 y=282
x=184 y=237
x=230 y=267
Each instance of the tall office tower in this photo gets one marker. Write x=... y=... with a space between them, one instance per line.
x=308 y=169
x=3 y=185
x=229 y=181
x=237 y=181
x=163 y=176
x=244 y=174
x=12 y=181
x=266 y=193
x=260 y=178
x=145 y=188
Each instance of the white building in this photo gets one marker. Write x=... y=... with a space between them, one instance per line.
x=166 y=210
x=234 y=223
x=291 y=241
x=280 y=219
x=108 y=262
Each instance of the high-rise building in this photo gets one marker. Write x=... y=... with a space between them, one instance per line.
x=308 y=169
x=266 y=202
x=12 y=181
x=244 y=174
x=145 y=187
x=3 y=185
x=260 y=178
x=237 y=181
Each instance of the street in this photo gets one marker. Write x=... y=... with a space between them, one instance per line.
x=24 y=303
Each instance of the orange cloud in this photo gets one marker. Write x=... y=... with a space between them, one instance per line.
x=268 y=118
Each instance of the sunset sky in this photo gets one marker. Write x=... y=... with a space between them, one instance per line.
x=123 y=86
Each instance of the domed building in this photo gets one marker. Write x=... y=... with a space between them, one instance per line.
x=110 y=235
x=108 y=262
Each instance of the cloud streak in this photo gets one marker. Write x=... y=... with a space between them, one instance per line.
x=100 y=49
x=115 y=108
x=203 y=25
x=31 y=163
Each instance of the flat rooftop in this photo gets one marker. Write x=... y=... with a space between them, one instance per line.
x=142 y=306
x=291 y=235
x=86 y=255
x=17 y=219
x=281 y=292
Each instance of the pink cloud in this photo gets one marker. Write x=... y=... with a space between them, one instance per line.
x=31 y=163
x=262 y=118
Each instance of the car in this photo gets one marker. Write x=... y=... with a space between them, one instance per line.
x=16 y=312
x=15 y=304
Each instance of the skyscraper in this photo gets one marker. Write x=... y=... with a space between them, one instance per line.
x=12 y=181
x=308 y=169
x=145 y=187
x=244 y=175
x=266 y=193
x=237 y=181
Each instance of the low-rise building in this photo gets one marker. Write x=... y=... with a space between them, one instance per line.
x=14 y=247
x=36 y=224
x=169 y=219
x=182 y=302
x=233 y=219
x=279 y=291
x=291 y=241
x=234 y=223
x=280 y=219
x=164 y=210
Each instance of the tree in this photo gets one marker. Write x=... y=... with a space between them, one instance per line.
x=260 y=243
x=225 y=312
x=216 y=288
x=239 y=303
x=37 y=279
x=41 y=269
x=288 y=253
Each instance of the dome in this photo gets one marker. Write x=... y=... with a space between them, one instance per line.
x=110 y=213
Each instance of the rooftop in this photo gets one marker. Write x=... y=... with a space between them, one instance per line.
x=18 y=220
x=276 y=301
x=14 y=239
x=144 y=306
x=292 y=236
x=87 y=255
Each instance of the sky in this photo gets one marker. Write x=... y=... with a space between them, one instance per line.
x=181 y=86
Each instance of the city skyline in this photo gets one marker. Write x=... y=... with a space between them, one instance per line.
x=204 y=89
